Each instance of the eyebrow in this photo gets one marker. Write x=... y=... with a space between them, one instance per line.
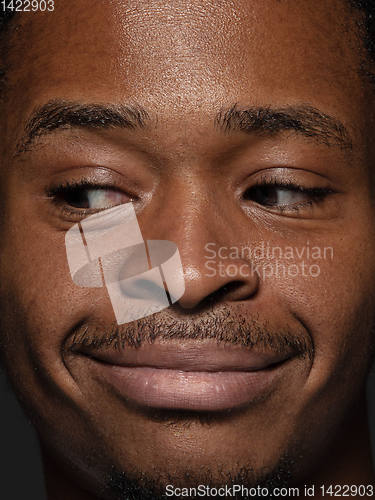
x=55 y=115
x=303 y=119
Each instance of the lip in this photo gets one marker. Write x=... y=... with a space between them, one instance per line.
x=192 y=376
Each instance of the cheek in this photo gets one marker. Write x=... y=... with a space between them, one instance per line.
x=39 y=307
x=336 y=306
x=40 y=304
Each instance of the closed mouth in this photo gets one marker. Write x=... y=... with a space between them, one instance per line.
x=200 y=376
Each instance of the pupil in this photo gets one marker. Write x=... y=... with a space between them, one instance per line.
x=264 y=195
x=77 y=199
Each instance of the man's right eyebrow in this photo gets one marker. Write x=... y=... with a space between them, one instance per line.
x=55 y=115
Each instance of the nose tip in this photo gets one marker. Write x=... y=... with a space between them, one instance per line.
x=235 y=281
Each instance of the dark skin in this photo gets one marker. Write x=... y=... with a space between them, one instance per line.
x=193 y=183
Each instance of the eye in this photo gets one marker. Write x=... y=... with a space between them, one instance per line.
x=284 y=195
x=91 y=199
x=79 y=199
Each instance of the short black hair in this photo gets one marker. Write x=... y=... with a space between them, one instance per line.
x=367 y=24
x=6 y=16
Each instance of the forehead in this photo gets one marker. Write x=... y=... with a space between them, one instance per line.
x=189 y=57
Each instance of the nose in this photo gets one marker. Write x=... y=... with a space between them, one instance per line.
x=216 y=280
x=205 y=235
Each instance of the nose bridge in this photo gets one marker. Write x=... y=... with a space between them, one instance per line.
x=189 y=216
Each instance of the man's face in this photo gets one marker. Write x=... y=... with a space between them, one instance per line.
x=255 y=135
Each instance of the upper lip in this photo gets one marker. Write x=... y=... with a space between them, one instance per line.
x=192 y=356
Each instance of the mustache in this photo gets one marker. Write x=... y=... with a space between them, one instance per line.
x=221 y=326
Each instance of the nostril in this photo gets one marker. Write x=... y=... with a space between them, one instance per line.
x=233 y=291
x=225 y=290
x=236 y=283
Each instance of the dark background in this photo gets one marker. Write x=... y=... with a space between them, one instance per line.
x=20 y=464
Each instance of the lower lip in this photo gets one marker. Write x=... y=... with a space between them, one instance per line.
x=187 y=390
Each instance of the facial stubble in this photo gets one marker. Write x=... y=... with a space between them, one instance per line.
x=219 y=325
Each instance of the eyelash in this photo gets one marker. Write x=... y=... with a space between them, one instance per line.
x=317 y=195
x=57 y=191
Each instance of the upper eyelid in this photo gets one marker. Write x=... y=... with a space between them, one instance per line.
x=290 y=186
x=285 y=184
x=76 y=185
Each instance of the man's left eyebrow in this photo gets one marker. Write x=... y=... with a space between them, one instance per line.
x=305 y=120
x=55 y=115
